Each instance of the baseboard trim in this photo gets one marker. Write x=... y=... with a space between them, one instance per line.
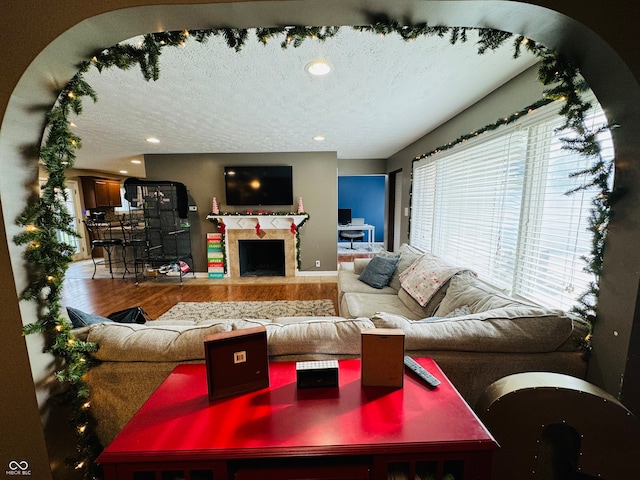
x=317 y=273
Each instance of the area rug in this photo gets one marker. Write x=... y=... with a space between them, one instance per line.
x=265 y=310
x=344 y=248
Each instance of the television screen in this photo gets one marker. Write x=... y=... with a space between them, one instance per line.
x=259 y=185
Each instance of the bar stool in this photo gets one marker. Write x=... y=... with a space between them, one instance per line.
x=99 y=238
x=135 y=240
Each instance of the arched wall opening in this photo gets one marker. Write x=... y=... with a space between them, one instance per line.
x=55 y=39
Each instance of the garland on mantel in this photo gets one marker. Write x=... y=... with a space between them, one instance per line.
x=48 y=258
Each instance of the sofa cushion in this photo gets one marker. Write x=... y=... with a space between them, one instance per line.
x=466 y=290
x=359 y=264
x=305 y=335
x=122 y=342
x=426 y=276
x=431 y=306
x=387 y=254
x=509 y=330
x=408 y=255
x=348 y=282
x=379 y=270
x=354 y=305
x=418 y=310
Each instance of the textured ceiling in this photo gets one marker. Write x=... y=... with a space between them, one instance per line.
x=382 y=94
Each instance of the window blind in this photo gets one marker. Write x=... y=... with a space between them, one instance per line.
x=498 y=205
x=554 y=239
x=468 y=205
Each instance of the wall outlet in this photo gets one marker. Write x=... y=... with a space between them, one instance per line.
x=317 y=263
x=193 y=208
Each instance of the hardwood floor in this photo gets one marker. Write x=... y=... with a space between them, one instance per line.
x=104 y=295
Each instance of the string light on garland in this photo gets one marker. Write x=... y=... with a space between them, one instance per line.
x=48 y=258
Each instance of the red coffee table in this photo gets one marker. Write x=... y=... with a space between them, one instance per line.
x=286 y=433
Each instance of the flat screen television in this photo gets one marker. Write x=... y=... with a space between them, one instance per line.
x=259 y=185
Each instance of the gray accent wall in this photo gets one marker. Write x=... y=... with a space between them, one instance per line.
x=314 y=179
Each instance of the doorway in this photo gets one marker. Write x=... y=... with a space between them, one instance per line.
x=364 y=196
x=395 y=210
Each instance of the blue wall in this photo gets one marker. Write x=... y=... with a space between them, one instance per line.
x=364 y=195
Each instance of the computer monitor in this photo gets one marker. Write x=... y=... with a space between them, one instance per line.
x=344 y=216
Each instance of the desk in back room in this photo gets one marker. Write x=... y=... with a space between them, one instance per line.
x=370 y=229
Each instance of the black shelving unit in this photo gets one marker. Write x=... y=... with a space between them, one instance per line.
x=161 y=209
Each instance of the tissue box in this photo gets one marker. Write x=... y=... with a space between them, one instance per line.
x=323 y=373
x=382 y=357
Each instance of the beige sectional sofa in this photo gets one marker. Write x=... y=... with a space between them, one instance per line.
x=475 y=333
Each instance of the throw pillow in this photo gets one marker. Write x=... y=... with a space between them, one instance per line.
x=408 y=255
x=379 y=270
x=426 y=276
x=83 y=319
x=385 y=253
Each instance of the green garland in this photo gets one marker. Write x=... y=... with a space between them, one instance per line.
x=48 y=258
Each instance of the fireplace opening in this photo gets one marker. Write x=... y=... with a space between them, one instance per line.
x=261 y=258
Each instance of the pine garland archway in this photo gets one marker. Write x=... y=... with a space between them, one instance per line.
x=49 y=258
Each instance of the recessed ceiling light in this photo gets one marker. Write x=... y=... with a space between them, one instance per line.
x=136 y=162
x=124 y=171
x=318 y=68
x=318 y=138
x=153 y=140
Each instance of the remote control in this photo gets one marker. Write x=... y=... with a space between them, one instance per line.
x=422 y=372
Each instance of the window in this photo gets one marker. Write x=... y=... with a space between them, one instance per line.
x=498 y=205
x=70 y=203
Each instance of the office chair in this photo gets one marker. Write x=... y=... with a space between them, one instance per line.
x=351 y=235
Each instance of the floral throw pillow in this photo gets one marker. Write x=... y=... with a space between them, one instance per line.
x=426 y=276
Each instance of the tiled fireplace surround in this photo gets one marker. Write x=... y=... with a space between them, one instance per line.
x=273 y=227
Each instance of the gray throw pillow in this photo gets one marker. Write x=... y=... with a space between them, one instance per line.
x=379 y=271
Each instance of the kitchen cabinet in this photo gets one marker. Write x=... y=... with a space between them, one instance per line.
x=101 y=192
